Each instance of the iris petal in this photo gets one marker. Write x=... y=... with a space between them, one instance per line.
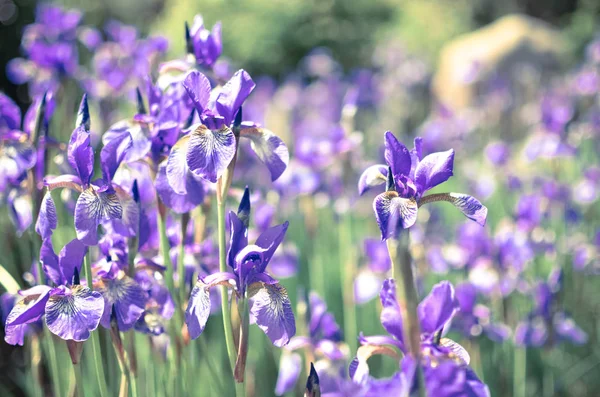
x=468 y=205
x=233 y=94
x=391 y=318
x=373 y=176
x=438 y=308
x=434 y=169
x=393 y=213
x=177 y=167
x=272 y=311
x=210 y=151
x=81 y=155
x=290 y=367
x=113 y=153
x=269 y=148
x=179 y=203
x=69 y=181
x=198 y=88
x=73 y=314
x=128 y=299
x=397 y=155
x=90 y=209
x=270 y=240
x=28 y=310
x=47 y=220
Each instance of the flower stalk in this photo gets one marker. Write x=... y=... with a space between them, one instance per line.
x=402 y=271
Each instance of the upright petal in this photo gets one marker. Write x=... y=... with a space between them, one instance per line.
x=373 y=176
x=468 y=205
x=81 y=155
x=90 y=209
x=128 y=299
x=272 y=311
x=70 y=258
x=50 y=263
x=269 y=148
x=238 y=239
x=198 y=88
x=394 y=213
x=438 y=308
x=397 y=155
x=210 y=151
x=47 y=220
x=233 y=94
x=10 y=114
x=270 y=240
x=434 y=169
x=566 y=328
x=391 y=318
x=73 y=314
x=113 y=153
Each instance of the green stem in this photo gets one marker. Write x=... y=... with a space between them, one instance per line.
x=520 y=372
x=348 y=272
x=96 y=353
x=78 y=380
x=402 y=269
x=53 y=362
x=225 y=308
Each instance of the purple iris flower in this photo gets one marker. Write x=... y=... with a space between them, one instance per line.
x=325 y=340
x=269 y=305
x=99 y=200
x=211 y=145
x=204 y=44
x=160 y=305
x=50 y=50
x=435 y=313
x=546 y=324
x=71 y=310
x=409 y=176
x=475 y=319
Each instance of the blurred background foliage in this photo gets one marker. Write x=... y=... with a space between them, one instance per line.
x=271 y=37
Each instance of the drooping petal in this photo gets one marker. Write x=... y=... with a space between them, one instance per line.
x=198 y=309
x=394 y=213
x=113 y=153
x=73 y=314
x=455 y=350
x=434 y=169
x=269 y=148
x=31 y=307
x=290 y=366
x=90 y=209
x=272 y=311
x=198 y=88
x=128 y=299
x=270 y=240
x=47 y=220
x=179 y=203
x=81 y=155
x=210 y=151
x=69 y=181
x=468 y=205
x=396 y=155
x=233 y=94
x=70 y=258
x=373 y=176
x=391 y=318
x=438 y=308
x=177 y=167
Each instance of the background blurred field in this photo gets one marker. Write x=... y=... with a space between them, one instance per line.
x=271 y=38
